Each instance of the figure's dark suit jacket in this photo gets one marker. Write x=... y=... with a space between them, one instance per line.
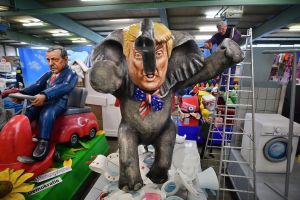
x=56 y=99
x=58 y=92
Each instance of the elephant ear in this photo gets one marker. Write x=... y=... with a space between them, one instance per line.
x=109 y=63
x=186 y=60
x=110 y=48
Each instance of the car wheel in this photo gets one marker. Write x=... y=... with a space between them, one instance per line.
x=73 y=140
x=57 y=157
x=92 y=133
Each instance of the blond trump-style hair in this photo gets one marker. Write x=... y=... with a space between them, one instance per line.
x=161 y=34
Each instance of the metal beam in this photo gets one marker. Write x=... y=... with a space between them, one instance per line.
x=145 y=5
x=279 y=39
x=71 y=26
x=27 y=38
x=4 y=2
x=59 y=20
x=163 y=16
x=286 y=17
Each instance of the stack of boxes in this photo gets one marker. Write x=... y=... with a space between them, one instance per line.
x=199 y=108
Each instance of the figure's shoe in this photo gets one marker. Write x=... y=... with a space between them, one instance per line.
x=41 y=150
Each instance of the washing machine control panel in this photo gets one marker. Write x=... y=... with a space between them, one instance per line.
x=279 y=131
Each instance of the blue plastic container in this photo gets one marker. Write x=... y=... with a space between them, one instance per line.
x=217 y=135
x=191 y=132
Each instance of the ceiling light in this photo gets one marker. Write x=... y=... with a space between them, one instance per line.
x=294 y=27
x=60 y=34
x=210 y=28
x=26 y=20
x=77 y=38
x=38 y=47
x=33 y=24
x=93 y=0
x=202 y=37
x=120 y=20
x=211 y=14
x=57 y=31
x=79 y=41
x=3 y=8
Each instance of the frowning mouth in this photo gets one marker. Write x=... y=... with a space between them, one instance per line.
x=53 y=68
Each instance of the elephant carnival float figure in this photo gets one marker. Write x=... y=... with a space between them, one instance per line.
x=143 y=65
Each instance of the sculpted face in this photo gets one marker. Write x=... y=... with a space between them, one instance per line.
x=55 y=61
x=136 y=69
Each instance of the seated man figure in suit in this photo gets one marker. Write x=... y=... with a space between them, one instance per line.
x=51 y=93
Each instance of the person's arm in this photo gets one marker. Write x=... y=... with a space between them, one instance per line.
x=37 y=87
x=236 y=35
x=209 y=43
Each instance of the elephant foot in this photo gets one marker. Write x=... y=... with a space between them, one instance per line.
x=126 y=185
x=158 y=176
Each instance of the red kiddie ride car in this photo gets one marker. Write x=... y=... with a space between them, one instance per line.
x=17 y=136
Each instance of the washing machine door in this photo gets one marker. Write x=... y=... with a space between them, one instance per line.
x=275 y=150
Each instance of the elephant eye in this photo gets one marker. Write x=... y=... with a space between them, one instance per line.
x=159 y=53
x=138 y=56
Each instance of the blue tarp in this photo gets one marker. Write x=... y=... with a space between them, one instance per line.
x=34 y=63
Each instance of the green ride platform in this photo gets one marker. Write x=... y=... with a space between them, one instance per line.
x=73 y=181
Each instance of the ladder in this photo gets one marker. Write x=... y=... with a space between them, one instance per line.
x=223 y=143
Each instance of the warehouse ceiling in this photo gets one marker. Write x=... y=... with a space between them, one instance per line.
x=69 y=22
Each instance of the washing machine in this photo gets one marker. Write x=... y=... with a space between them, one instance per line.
x=271 y=131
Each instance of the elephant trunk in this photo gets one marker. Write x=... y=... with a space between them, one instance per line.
x=145 y=44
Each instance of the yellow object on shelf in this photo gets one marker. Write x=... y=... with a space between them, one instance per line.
x=100 y=132
x=298 y=159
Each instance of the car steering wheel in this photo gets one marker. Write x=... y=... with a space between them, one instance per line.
x=24 y=97
x=21 y=96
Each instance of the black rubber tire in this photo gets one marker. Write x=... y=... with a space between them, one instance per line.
x=73 y=140
x=92 y=133
x=57 y=157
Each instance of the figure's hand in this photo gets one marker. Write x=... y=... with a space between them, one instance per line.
x=39 y=100
x=208 y=45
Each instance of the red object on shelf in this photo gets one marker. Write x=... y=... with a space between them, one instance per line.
x=117 y=103
x=189 y=104
x=230 y=114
